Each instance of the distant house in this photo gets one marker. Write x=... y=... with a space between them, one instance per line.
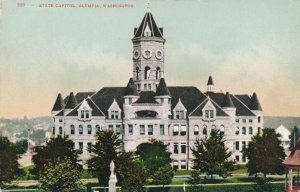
x=285 y=133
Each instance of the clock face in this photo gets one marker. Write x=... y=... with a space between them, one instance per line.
x=159 y=54
x=136 y=54
x=147 y=53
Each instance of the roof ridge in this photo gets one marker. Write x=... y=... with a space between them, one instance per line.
x=198 y=106
x=96 y=106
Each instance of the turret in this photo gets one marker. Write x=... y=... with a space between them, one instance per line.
x=71 y=103
x=228 y=106
x=210 y=84
x=131 y=94
x=148 y=54
x=58 y=105
x=162 y=94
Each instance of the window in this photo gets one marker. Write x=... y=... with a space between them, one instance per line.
x=142 y=129
x=150 y=129
x=175 y=148
x=89 y=129
x=130 y=130
x=179 y=115
x=237 y=120
x=204 y=130
x=222 y=129
x=244 y=120
x=72 y=129
x=60 y=130
x=175 y=164
x=196 y=130
x=82 y=115
x=97 y=128
x=111 y=127
x=161 y=100
x=87 y=114
x=237 y=132
x=209 y=114
x=258 y=119
x=243 y=145
x=175 y=130
x=237 y=145
x=183 y=130
x=60 y=120
x=157 y=73
x=130 y=100
x=80 y=130
x=183 y=164
x=258 y=129
x=169 y=101
x=149 y=86
x=244 y=158
x=137 y=73
x=80 y=144
x=118 y=129
x=145 y=86
x=244 y=130
x=237 y=158
x=147 y=72
x=183 y=148
x=53 y=130
x=250 y=120
x=114 y=114
x=250 y=130
x=162 y=130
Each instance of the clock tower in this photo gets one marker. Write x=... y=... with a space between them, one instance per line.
x=148 y=54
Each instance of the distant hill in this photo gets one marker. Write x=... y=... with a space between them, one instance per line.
x=288 y=122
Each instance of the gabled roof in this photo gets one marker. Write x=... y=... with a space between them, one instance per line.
x=227 y=102
x=95 y=109
x=162 y=89
x=148 y=23
x=72 y=102
x=131 y=89
x=190 y=97
x=241 y=108
x=244 y=98
x=146 y=97
x=59 y=103
x=254 y=103
x=210 y=81
x=198 y=110
x=80 y=96
x=105 y=97
x=293 y=159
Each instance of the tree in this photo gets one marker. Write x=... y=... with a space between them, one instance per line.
x=211 y=156
x=294 y=137
x=8 y=161
x=163 y=176
x=154 y=155
x=106 y=149
x=265 y=153
x=61 y=176
x=131 y=172
x=22 y=146
x=55 y=149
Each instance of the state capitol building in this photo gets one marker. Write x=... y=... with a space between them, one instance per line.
x=148 y=108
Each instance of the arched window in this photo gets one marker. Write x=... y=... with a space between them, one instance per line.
x=97 y=128
x=222 y=129
x=89 y=129
x=204 y=130
x=157 y=73
x=80 y=130
x=196 y=130
x=147 y=72
x=259 y=119
x=137 y=73
x=60 y=130
x=244 y=130
x=250 y=130
x=72 y=129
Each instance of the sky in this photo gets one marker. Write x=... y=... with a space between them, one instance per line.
x=247 y=46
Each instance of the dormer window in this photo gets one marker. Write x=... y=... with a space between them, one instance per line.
x=84 y=114
x=114 y=114
x=161 y=100
x=179 y=115
x=209 y=114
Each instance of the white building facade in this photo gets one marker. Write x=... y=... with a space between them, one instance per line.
x=147 y=108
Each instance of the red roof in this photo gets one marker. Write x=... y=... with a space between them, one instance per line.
x=293 y=161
